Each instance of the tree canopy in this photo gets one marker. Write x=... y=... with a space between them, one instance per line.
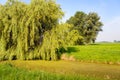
x=30 y=31
x=33 y=31
x=88 y=25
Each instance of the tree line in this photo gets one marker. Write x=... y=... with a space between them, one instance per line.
x=33 y=31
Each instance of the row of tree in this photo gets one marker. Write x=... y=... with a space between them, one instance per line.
x=33 y=31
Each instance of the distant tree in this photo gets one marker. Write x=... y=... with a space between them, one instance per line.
x=115 y=41
x=78 y=21
x=88 y=25
x=93 y=26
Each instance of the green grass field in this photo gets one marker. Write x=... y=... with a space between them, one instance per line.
x=88 y=65
x=105 y=53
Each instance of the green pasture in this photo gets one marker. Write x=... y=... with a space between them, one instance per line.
x=105 y=53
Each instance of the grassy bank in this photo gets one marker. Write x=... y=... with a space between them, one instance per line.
x=69 y=70
x=9 y=72
x=105 y=53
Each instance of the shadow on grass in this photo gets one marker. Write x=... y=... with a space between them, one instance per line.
x=94 y=44
x=72 y=49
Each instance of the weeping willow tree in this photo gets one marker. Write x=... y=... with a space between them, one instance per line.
x=32 y=31
x=59 y=37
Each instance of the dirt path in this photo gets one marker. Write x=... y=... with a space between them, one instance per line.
x=105 y=71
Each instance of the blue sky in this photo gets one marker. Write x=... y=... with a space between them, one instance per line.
x=108 y=10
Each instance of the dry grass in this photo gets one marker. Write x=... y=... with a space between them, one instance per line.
x=104 y=71
x=67 y=58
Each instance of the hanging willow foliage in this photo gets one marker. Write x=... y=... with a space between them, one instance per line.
x=59 y=37
x=32 y=31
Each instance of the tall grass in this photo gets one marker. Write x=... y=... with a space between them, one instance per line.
x=9 y=72
x=107 y=53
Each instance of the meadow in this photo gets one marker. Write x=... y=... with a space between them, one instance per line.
x=97 y=53
x=92 y=62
